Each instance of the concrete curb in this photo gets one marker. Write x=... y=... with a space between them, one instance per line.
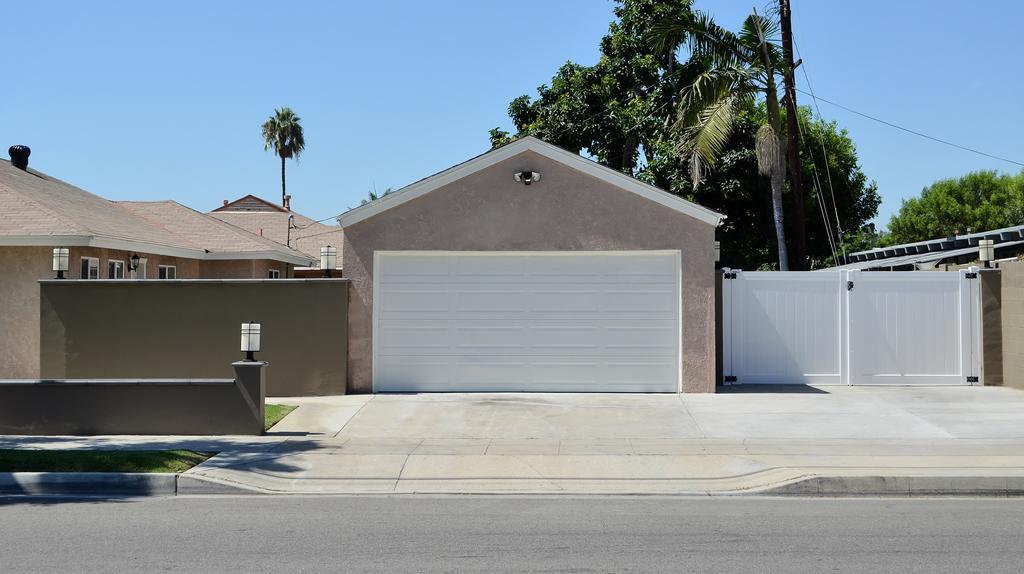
x=169 y=484
x=899 y=486
x=92 y=483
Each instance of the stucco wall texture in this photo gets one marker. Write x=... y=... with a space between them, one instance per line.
x=23 y=267
x=566 y=211
x=191 y=329
x=1012 y=323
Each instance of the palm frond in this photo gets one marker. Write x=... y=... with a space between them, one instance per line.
x=704 y=141
x=710 y=87
x=706 y=39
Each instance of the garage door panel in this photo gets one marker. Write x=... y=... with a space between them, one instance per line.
x=557 y=322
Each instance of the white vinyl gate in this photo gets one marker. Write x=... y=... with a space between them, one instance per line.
x=851 y=327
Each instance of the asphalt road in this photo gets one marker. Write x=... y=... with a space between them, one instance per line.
x=512 y=534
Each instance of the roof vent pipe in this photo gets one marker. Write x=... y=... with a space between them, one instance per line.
x=19 y=156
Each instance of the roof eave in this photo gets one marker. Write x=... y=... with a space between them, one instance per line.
x=101 y=242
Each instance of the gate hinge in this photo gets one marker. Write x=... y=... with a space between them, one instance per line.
x=729 y=275
x=971 y=275
x=729 y=379
x=973 y=379
x=849 y=285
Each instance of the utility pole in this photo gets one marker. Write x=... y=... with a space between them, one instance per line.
x=799 y=261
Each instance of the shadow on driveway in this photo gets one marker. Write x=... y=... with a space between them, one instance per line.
x=770 y=389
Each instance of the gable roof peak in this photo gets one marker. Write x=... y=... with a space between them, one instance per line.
x=541 y=147
x=250 y=202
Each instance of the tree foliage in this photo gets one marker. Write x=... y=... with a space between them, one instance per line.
x=622 y=110
x=978 y=201
x=736 y=189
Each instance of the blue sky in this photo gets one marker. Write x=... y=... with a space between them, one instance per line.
x=157 y=100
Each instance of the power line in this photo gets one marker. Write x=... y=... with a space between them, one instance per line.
x=828 y=170
x=910 y=131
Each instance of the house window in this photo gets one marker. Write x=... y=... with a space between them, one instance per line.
x=140 y=273
x=90 y=268
x=115 y=269
x=168 y=272
x=275 y=274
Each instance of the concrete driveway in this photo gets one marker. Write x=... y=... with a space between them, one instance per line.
x=738 y=413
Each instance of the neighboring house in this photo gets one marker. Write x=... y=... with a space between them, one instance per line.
x=530 y=268
x=1008 y=243
x=172 y=241
x=281 y=224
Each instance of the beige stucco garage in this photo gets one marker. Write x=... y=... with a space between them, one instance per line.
x=581 y=279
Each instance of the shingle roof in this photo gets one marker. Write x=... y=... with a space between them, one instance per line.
x=307 y=236
x=42 y=210
x=212 y=234
x=36 y=204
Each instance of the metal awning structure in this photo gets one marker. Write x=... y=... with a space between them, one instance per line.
x=928 y=254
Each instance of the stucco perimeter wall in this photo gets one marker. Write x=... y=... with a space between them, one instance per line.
x=1012 y=323
x=19 y=316
x=566 y=211
x=191 y=329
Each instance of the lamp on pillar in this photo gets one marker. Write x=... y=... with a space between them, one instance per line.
x=328 y=259
x=250 y=340
x=986 y=252
x=61 y=260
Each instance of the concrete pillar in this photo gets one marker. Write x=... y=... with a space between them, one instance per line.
x=251 y=379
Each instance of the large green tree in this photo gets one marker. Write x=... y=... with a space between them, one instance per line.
x=618 y=110
x=632 y=93
x=978 y=201
x=283 y=133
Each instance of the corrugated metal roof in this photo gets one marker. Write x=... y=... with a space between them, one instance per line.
x=918 y=259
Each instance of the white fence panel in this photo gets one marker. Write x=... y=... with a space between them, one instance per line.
x=913 y=328
x=848 y=327
x=785 y=327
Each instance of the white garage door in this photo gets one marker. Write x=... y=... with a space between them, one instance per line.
x=537 y=321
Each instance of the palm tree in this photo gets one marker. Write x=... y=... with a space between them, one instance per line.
x=728 y=71
x=372 y=195
x=283 y=132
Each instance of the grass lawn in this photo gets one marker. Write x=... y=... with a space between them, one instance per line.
x=20 y=460
x=274 y=414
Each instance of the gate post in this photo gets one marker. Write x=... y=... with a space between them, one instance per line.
x=729 y=278
x=847 y=283
x=970 y=325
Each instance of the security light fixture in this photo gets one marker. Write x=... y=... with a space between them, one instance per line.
x=328 y=259
x=61 y=260
x=250 y=340
x=526 y=177
x=986 y=251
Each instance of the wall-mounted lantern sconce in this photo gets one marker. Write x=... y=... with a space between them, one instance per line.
x=986 y=251
x=328 y=259
x=526 y=177
x=250 y=340
x=133 y=262
x=61 y=260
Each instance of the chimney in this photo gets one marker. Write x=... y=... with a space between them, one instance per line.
x=19 y=156
x=288 y=202
x=225 y=203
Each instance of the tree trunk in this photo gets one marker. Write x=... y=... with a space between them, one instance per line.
x=777 y=174
x=793 y=149
x=283 y=194
x=629 y=154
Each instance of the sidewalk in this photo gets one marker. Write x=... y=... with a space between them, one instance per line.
x=832 y=442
